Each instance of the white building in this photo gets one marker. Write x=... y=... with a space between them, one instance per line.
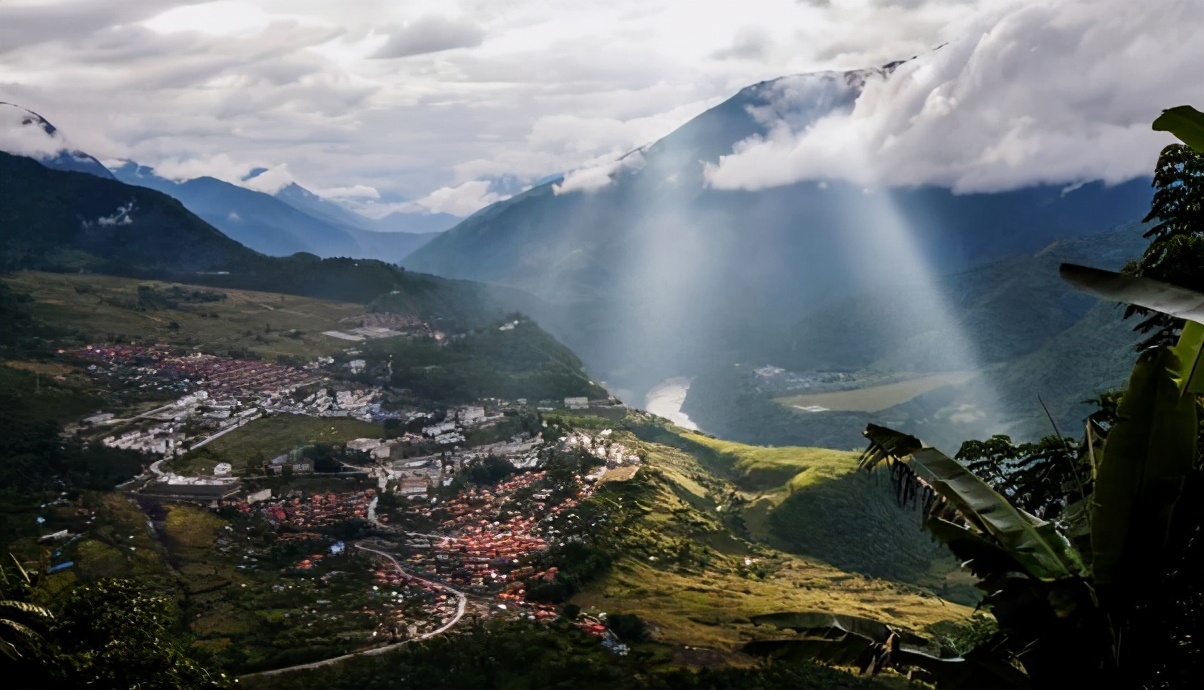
x=472 y=413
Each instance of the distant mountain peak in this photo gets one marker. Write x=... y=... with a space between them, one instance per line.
x=26 y=133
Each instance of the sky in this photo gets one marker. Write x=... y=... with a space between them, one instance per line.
x=448 y=105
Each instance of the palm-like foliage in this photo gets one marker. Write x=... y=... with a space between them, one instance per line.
x=1086 y=610
x=18 y=636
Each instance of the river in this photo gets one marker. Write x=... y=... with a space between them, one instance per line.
x=665 y=400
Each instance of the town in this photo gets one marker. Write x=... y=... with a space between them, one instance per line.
x=455 y=505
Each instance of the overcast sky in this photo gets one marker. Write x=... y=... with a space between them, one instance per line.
x=451 y=104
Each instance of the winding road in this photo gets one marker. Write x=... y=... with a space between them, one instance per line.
x=461 y=602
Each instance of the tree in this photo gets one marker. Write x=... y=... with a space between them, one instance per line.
x=116 y=633
x=1176 y=250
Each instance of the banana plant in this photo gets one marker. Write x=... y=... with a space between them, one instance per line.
x=1058 y=607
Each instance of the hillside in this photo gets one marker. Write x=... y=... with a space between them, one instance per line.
x=668 y=543
x=1030 y=333
x=813 y=503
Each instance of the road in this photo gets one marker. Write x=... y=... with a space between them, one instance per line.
x=461 y=602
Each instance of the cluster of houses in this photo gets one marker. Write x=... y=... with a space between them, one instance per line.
x=357 y=403
x=221 y=376
x=397 y=593
x=319 y=510
x=379 y=325
x=773 y=379
x=485 y=539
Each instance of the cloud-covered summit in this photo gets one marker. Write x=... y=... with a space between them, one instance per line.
x=25 y=133
x=1035 y=93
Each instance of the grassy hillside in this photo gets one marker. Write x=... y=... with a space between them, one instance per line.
x=697 y=582
x=268 y=324
x=812 y=502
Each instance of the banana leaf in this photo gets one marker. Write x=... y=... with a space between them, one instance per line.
x=981 y=669
x=1146 y=458
x=1034 y=544
x=823 y=624
x=885 y=444
x=1144 y=292
x=982 y=557
x=1185 y=122
x=1162 y=297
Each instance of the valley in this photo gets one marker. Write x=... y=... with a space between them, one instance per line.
x=669 y=345
x=376 y=515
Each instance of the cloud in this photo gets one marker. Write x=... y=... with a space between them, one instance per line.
x=750 y=43
x=358 y=191
x=431 y=34
x=221 y=166
x=535 y=89
x=1038 y=93
x=21 y=133
x=271 y=180
x=591 y=178
x=461 y=200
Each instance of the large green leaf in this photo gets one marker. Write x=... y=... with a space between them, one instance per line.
x=1146 y=458
x=981 y=556
x=834 y=625
x=1185 y=122
x=1162 y=297
x=1144 y=292
x=1035 y=544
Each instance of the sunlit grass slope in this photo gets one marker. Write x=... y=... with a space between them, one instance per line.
x=696 y=581
x=267 y=324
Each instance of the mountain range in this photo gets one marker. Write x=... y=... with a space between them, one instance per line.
x=656 y=274
x=291 y=220
x=271 y=224
x=649 y=273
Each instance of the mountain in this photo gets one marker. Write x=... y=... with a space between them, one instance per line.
x=317 y=206
x=74 y=222
x=300 y=221
x=25 y=133
x=270 y=225
x=656 y=274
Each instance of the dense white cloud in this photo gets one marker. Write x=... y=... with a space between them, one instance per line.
x=271 y=180
x=22 y=133
x=481 y=89
x=1046 y=92
x=461 y=200
x=595 y=176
